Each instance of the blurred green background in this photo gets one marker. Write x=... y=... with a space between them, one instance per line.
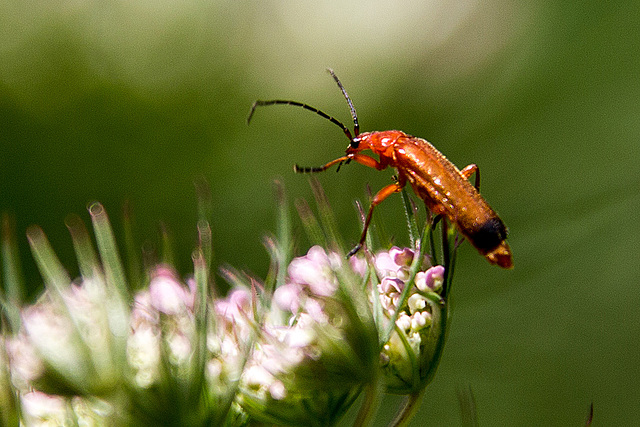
x=134 y=101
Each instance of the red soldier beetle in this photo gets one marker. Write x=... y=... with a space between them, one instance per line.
x=445 y=190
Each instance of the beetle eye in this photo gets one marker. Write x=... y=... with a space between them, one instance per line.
x=355 y=142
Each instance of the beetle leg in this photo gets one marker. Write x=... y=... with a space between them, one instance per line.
x=363 y=159
x=301 y=169
x=469 y=170
x=377 y=199
x=369 y=161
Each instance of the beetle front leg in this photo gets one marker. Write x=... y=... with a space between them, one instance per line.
x=363 y=159
x=377 y=199
x=469 y=170
x=302 y=169
x=369 y=161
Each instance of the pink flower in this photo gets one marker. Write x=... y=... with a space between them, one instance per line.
x=430 y=280
x=316 y=271
x=394 y=263
x=287 y=297
x=236 y=304
x=167 y=294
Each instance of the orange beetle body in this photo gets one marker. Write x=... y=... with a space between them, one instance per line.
x=445 y=190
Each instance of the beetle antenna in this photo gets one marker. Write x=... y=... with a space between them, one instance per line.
x=321 y=113
x=356 y=125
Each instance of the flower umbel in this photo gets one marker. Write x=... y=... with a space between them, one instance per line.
x=297 y=349
x=314 y=355
x=407 y=355
x=84 y=356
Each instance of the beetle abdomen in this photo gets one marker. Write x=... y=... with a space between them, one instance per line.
x=447 y=192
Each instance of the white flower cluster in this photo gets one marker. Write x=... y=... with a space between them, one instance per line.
x=66 y=348
x=286 y=359
x=412 y=333
x=303 y=360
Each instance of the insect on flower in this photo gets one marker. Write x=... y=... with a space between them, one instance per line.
x=445 y=190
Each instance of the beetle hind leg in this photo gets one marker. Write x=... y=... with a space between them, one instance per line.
x=468 y=171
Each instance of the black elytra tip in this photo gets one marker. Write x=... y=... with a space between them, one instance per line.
x=489 y=235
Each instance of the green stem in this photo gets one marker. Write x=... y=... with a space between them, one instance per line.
x=412 y=223
x=409 y=409
x=371 y=400
x=439 y=331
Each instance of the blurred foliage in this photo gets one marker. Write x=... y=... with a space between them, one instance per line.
x=135 y=101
